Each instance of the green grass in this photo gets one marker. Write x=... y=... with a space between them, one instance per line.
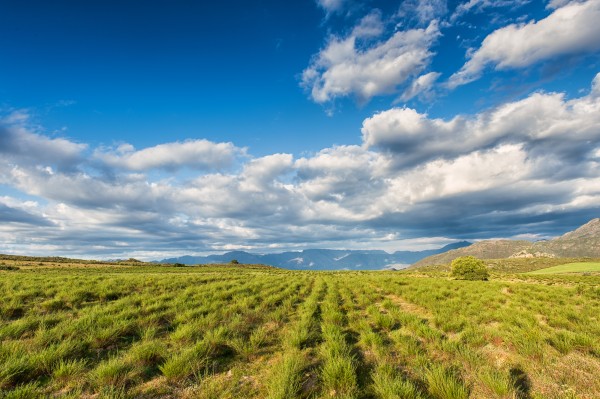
x=126 y=331
x=578 y=267
x=508 y=265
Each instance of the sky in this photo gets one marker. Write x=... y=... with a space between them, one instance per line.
x=161 y=129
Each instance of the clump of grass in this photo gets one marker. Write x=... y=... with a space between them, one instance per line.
x=66 y=370
x=258 y=337
x=20 y=327
x=147 y=353
x=16 y=369
x=187 y=363
x=339 y=377
x=385 y=322
x=389 y=385
x=80 y=296
x=286 y=379
x=241 y=346
x=497 y=382
x=26 y=391
x=113 y=372
x=371 y=339
x=443 y=384
x=54 y=305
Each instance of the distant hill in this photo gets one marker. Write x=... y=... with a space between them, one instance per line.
x=511 y=265
x=322 y=259
x=585 y=241
x=491 y=249
x=582 y=242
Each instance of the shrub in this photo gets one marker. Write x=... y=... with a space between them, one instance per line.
x=469 y=268
x=234 y=262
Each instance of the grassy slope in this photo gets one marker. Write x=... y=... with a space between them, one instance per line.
x=578 y=267
x=256 y=332
x=513 y=265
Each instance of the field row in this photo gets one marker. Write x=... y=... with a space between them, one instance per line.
x=268 y=333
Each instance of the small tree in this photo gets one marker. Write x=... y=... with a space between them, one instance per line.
x=469 y=268
x=234 y=262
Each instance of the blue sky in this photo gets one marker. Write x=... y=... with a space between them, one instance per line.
x=192 y=127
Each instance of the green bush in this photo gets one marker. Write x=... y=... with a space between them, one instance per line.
x=469 y=268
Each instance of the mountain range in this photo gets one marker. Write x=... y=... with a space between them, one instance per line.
x=582 y=242
x=322 y=259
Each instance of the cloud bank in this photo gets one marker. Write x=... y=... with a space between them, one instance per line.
x=531 y=163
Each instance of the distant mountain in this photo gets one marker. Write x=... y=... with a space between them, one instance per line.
x=322 y=259
x=582 y=242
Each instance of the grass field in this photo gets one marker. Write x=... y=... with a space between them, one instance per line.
x=514 y=265
x=578 y=267
x=71 y=331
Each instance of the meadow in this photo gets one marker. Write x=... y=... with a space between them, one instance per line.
x=138 y=331
x=577 y=267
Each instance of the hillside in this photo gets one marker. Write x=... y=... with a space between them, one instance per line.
x=584 y=241
x=579 y=243
x=321 y=259
x=492 y=249
x=512 y=265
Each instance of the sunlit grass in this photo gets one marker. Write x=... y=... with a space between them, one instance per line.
x=257 y=332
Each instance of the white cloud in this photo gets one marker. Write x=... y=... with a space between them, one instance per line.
x=478 y=6
x=424 y=11
x=197 y=154
x=19 y=142
x=469 y=176
x=571 y=29
x=540 y=121
x=262 y=172
x=331 y=6
x=344 y=68
x=420 y=85
x=369 y=26
x=339 y=181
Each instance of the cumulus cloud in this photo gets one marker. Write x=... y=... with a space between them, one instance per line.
x=543 y=122
x=532 y=163
x=570 y=29
x=358 y=66
x=18 y=142
x=196 y=154
x=419 y=86
x=261 y=172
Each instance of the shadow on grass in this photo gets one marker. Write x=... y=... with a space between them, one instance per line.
x=520 y=382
